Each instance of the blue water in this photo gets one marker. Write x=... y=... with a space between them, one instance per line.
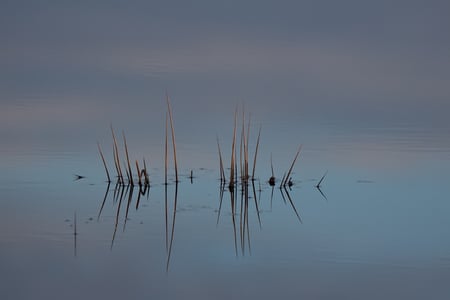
x=377 y=229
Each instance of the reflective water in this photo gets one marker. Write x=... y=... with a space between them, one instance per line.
x=378 y=228
x=364 y=86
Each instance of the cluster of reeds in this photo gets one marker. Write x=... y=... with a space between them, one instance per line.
x=142 y=173
x=241 y=168
x=239 y=175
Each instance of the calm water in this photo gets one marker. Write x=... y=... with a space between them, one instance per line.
x=378 y=229
x=364 y=86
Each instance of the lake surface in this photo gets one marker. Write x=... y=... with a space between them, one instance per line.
x=379 y=227
x=363 y=86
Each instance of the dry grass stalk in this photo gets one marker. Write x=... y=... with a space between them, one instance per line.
x=282 y=180
x=146 y=178
x=104 y=162
x=222 y=171
x=173 y=137
x=292 y=166
x=231 y=184
x=166 y=157
x=139 y=173
x=256 y=153
x=116 y=157
x=246 y=175
x=130 y=173
x=241 y=150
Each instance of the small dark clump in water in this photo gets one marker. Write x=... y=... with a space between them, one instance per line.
x=272 y=181
x=290 y=183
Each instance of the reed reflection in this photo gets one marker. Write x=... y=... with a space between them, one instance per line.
x=245 y=198
x=241 y=205
x=75 y=233
x=169 y=242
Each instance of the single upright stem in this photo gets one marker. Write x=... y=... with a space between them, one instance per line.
x=292 y=166
x=139 y=173
x=173 y=138
x=128 y=160
x=104 y=162
x=147 y=180
x=116 y=157
x=256 y=153
x=222 y=174
x=231 y=185
x=166 y=154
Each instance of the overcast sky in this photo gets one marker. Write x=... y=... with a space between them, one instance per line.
x=380 y=59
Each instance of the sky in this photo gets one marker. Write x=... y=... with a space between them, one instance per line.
x=84 y=63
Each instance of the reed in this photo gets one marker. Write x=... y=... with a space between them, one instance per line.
x=166 y=153
x=256 y=154
x=128 y=160
x=246 y=151
x=292 y=166
x=173 y=137
x=222 y=171
x=321 y=179
x=232 y=167
x=221 y=190
x=115 y=164
x=104 y=162
x=146 y=177
x=126 y=171
x=139 y=173
x=282 y=180
x=116 y=157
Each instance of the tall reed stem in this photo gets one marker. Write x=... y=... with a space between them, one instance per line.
x=104 y=162
x=232 y=167
x=256 y=154
x=292 y=166
x=116 y=157
x=173 y=137
x=128 y=160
